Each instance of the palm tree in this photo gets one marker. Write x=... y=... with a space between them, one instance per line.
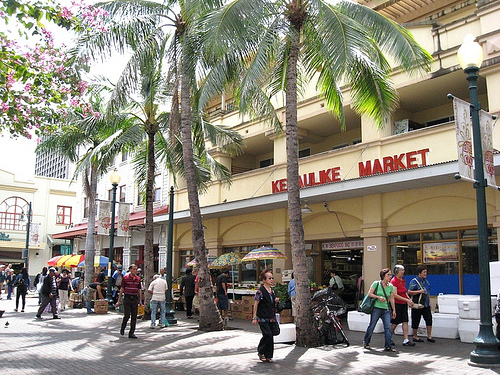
x=273 y=46
x=138 y=25
x=84 y=141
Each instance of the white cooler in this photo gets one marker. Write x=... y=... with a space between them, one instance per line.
x=358 y=321
x=287 y=333
x=468 y=307
x=445 y=326
x=468 y=329
x=448 y=303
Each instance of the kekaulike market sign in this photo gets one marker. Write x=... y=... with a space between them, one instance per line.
x=392 y=163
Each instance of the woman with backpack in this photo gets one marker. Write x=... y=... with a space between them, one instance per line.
x=22 y=282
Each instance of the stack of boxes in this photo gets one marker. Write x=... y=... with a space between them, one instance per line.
x=242 y=309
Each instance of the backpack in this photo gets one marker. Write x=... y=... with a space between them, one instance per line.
x=119 y=278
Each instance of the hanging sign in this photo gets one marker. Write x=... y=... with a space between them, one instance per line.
x=104 y=217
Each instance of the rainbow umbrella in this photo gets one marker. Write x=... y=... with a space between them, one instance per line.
x=63 y=259
x=52 y=262
x=74 y=261
x=263 y=253
x=227 y=259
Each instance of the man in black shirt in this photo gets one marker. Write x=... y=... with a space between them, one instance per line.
x=222 y=298
x=187 y=289
x=49 y=293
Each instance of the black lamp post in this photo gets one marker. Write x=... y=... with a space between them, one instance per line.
x=170 y=312
x=27 y=244
x=115 y=180
x=486 y=354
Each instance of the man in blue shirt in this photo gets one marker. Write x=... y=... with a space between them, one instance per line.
x=291 y=293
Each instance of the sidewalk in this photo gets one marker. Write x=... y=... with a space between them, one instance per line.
x=91 y=344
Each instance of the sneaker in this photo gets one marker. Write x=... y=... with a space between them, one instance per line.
x=122 y=331
x=132 y=336
x=152 y=326
x=408 y=343
x=39 y=317
x=56 y=317
x=22 y=310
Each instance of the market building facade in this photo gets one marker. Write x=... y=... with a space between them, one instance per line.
x=377 y=197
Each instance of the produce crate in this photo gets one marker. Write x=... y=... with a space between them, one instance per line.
x=101 y=307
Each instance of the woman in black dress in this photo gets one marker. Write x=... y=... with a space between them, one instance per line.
x=265 y=314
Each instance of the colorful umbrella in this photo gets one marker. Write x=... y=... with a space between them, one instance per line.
x=99 y=261
x=227 y=259
x=63 y=259
x=74 y=261
x=193 y=263
x=53 y=261
x=263 y=253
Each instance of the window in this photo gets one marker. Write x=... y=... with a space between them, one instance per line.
x=305 y=152
x=157 y=188
x=11 y=211
x=451 y=257
x=86 y=201
x=124 y=156
x=266 y=162
x=63 y=215
x=139 y=198
x=186 y=257
x=123 y=191
x=247 y=272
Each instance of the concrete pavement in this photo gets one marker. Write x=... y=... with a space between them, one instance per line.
x=91 y=344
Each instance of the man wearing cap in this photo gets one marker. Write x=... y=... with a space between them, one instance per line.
x=117 y=281
x=49 y=293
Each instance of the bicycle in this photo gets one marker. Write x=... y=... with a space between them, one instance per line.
x=326 y=312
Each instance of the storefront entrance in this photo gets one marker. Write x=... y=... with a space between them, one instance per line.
x=346 y=259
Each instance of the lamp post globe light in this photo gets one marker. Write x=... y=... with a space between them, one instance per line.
x=486 y=353
x=115 y=180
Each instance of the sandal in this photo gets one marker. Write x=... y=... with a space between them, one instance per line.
x=390 y=349
x=367 y=346
x=417 y=340
x=270 y=360
x=262 y=357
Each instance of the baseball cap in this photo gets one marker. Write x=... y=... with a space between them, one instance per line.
x=52 y=269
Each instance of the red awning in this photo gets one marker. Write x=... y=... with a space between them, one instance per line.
x=136 y=219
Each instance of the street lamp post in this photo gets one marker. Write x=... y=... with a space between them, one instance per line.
x=486 y=354
x=170 y=313
x=27 y=244
x=115 y=180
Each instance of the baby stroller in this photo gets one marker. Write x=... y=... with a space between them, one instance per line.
x=327 y=306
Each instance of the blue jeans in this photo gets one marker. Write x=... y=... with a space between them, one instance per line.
x=386 y=319
x=154 y=309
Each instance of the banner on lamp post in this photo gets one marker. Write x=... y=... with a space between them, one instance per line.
x=463 y=127
x=123 y=219
x=34 y=234
x=486 y=126
x=104 y=217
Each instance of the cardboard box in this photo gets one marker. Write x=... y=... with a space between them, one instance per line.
x=239 y=315
x=286 y=313
x=101 y=307
x=286 y=319
x=247 y=300
x=247 y=309
x=237 y=308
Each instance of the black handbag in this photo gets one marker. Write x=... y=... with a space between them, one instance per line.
x=275 y=328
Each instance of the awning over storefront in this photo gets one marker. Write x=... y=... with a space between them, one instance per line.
x=136 y=219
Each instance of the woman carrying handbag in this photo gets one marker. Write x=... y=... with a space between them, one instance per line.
x=265 y=314
x=383 y=309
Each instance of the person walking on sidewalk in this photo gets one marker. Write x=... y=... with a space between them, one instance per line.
x=264 y=309
x=9 y=281
x=420 y=290
x=158 y=288
x=49 y=293
x=187 y=290
x=222 y=298
x=64 y=285
x=21 y=282
x=131 y=291
x=402 y=300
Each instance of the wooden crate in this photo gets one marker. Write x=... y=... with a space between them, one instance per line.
x=101 y=307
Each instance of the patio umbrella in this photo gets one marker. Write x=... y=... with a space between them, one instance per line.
x=74 y=261
x=227 y=259
x=263 y=253
x=193 y=263
x=52 y=262
x=63 y=259
x=99 y=261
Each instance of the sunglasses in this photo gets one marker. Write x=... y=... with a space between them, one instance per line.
x=270 y=278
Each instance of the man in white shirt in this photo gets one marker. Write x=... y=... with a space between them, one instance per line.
x=158 y=288
x=336 y=283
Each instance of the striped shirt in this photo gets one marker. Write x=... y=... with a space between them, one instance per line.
x=131 y=285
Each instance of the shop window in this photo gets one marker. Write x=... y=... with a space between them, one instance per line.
x=11 y=211
x=185 y=257
x=248 y=272
x=439 y=236
x=63 y=215
x=86 y=207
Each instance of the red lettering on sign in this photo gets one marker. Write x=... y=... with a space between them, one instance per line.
x=398 y=162
x=423 y=155
x=365 y=169
x=411 y=160
x=377 y=167
x=388 y=164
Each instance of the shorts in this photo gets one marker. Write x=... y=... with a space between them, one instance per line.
x=416 y=314
x=401 y=314
x=222 y=302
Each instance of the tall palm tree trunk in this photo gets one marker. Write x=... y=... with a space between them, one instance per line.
x=90 y=188
x=149 y=230
x=210 y=319
x=306 y=334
